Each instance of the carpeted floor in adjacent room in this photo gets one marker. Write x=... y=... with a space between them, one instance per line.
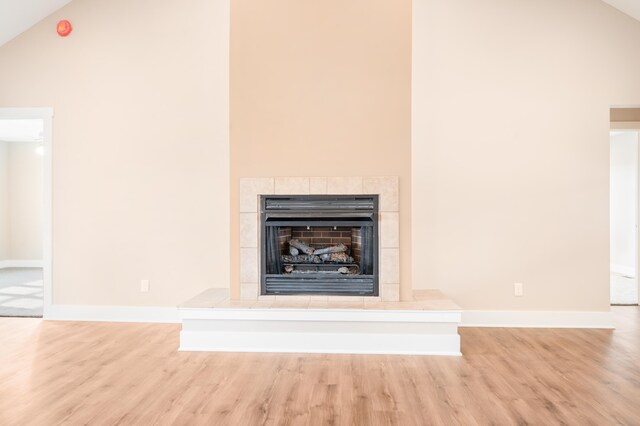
x=21 y=292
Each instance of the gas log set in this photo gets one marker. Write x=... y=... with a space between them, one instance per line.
x=302 y=257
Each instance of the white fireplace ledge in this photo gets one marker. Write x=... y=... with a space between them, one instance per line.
x=426 y=325
x=327 y=315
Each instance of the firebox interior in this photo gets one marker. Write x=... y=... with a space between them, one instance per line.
x=319 y=245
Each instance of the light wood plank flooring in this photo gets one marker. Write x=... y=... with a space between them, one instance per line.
x=107 y=373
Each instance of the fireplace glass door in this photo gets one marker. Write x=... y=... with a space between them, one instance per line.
x=319 y=245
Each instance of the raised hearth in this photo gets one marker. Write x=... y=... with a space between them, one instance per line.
x=427 y=324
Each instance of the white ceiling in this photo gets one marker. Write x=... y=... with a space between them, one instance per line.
x=630 y=7
x=17 y=16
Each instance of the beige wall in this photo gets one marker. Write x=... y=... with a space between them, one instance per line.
x=321 y=89
x=505 y=177
x=140 y=145
x=24 y=201
x=4 y=200
x=511 y=148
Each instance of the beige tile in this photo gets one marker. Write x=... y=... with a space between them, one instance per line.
x=434 y=299
x=378 y=306
x=293 y=298
x=207 y=298
x=318 y=304
x=355 y=299
x=440 y=305
x=387 y=187
x=403 y=306
x=249 y=265
x=249 y=291
x=345 y=305
x=292 y=185
x=318 y=298
x=289 y=304
x=235 y=304
x=344 y=185
x=248 y=230
x=389 y=229
x=262 y=304
x=250 y=188
x=390 y=292
x=389 y=266
x=336 y=305
x=266 y=297
x=318 y=185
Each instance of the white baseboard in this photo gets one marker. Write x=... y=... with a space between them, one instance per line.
x=112 y=313
x=538 y=319
x=21 y=264
x=506 y=319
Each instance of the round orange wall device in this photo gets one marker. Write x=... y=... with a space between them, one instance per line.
x=63 y=28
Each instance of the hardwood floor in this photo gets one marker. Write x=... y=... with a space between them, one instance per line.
x=108 y=373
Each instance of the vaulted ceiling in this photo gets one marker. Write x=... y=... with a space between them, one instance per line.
x=630 y=7
x=17 y=16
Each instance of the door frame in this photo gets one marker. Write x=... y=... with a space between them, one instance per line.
x=46 y=115
x=633 y=126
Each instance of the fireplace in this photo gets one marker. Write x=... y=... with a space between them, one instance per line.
x=319 y=244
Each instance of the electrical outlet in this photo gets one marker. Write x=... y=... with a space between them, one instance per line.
x=144 y=286
x=518 y=289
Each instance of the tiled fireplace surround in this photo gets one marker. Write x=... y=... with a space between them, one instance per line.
x=389 y=257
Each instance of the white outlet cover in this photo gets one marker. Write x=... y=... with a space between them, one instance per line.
x=144 y=286
x=518 y=289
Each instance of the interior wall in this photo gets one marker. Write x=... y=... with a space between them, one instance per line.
x=4 y=201
x=140 y=145
x=508 y=160
x=321 y=89
x=511 y=148
x=25 y=201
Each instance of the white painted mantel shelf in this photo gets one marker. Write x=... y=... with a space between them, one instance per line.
x=426 y=325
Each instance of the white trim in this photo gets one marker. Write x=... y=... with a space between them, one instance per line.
x=627 y=271
x=357 y=331
x=46 y=114
x=113 y=313
x=503 y=319
x=25 y=113
x=328 y=343
x=21 y=264
x=538 y=319
x=625 y=125
x=325 y=315
x=22 y=140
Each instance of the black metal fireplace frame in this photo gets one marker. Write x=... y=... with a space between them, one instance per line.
x=319 y=211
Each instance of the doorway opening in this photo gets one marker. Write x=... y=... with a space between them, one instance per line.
x=623 y=216
x=25 y=207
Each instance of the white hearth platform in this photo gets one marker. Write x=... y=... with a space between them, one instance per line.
x=425 y=325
